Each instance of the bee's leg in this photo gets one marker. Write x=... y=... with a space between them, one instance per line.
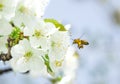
x=80 y=46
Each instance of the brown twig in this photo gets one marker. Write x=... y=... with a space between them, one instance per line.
x=6 y=56
x=2 y=71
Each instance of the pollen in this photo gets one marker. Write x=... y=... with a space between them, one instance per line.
x=76 y=55
x=56 y=44
x=37 y=33
x=28 y=54
x=58 y=63
x=53 y=44
x=23 y=9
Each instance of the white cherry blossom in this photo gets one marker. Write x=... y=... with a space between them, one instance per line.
x=70 y=66
x=27 y=11
x=34 y=7
x=60 y=42
x=23 y=20
x=39 y=34
x=39 y=46
x=5 y=27
x=7 y=8
x=25 y=58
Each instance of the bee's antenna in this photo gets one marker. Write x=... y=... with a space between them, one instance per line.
x=82 y=35
x=72 y=38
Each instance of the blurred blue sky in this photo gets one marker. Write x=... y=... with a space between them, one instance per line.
x=100 y=61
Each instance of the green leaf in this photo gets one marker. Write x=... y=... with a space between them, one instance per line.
x=47 y=63
x=55 y=80
x=56 y=23
x=15 y=34
x=1 y=35
x=47 y=57
x=1 y=7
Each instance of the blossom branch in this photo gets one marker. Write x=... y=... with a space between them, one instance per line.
x=2 y=71
x=7 y=56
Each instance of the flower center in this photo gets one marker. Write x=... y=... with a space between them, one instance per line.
x=54 y=44
x=23 y=9
x=37 y=33
x=28 y=55
x=58 y=63
x=1 y=7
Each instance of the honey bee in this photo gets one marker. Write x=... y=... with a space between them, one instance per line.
x=80 y=43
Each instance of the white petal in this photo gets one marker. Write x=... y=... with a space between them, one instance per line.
x=8 y=9
x=61 y=42
x=68 y=26
x=19 y=64
x=28 y=20
x=17 y=51
x=20 y=49
x=39 y=43
x=28 y=32
x=37 y=6
x=5 y=27
x=25 y=44
x=36 y=63
x=49 y=29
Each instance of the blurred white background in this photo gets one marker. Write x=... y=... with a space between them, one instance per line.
x=100 y=61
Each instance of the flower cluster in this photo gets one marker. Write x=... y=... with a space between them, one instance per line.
x=29 y=42
x=67 y=74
